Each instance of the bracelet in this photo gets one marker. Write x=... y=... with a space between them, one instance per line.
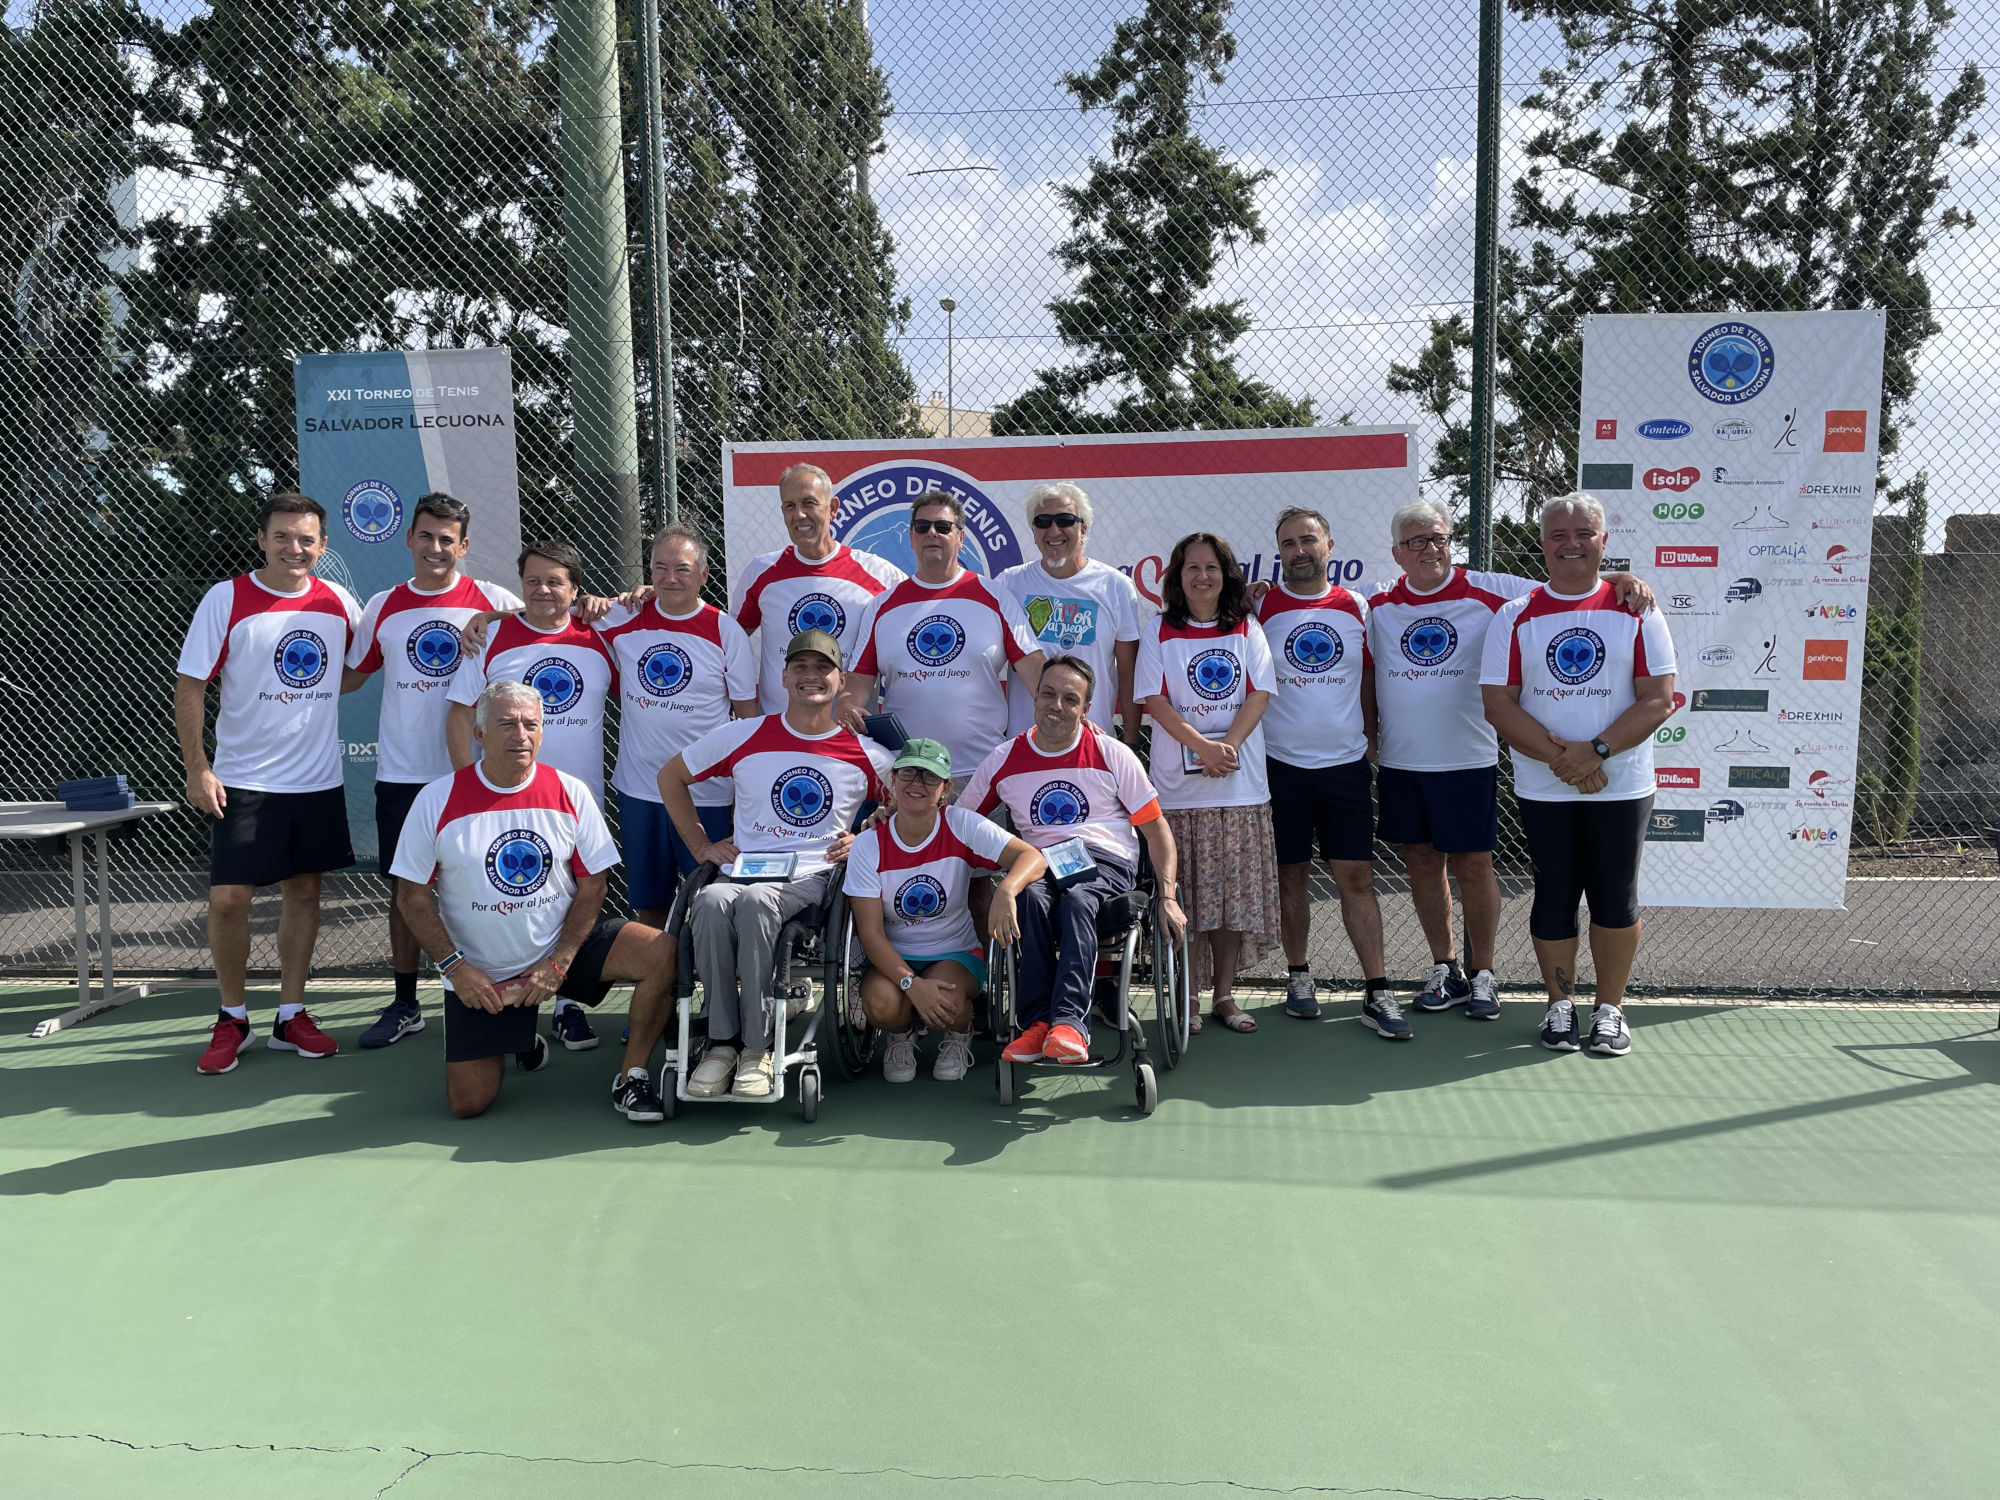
x=450 y=961
x=561 y=968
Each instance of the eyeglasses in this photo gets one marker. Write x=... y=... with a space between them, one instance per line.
x=913 y=776
x=1430 y=543
x=924 y=526
x=1043 y=523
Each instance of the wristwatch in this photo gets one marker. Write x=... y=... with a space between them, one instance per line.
x=906 y=981
x=1603 y=750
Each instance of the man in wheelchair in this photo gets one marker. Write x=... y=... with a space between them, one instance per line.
x=799 y=779
x=1064 y=780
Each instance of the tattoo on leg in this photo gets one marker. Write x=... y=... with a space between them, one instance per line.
x=1563 y=983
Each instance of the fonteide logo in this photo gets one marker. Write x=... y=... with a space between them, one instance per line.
x=1680 y=481
x=1684 y=557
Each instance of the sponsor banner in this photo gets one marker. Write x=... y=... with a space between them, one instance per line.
x=1748 y=442
x=376 y=431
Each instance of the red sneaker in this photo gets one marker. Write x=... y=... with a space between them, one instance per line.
x=225 y=1044
x=1066 y=1045
x=303 y=1036
x=1027 y=1047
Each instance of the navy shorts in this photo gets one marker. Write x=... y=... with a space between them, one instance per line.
x=470 y=1033
x=1328 y=805
x=1455 y=812
x=655 y=856
x=265 y=837
x=392 y=810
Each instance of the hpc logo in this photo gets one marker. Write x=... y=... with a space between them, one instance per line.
x=559 y=683
x=802 y=797
x=300 y=659
x=665 y=669
x=919 y=899
x=433 y=648
x=373 y=510
x=1730 y=363
x=1214 y=674
x=1314 y=647
x=518 y=862
x=1575 y=656
x=1057 y=805
x=936 y=640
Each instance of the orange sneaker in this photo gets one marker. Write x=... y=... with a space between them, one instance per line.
x=1066 y=1045
x=1027 y=1047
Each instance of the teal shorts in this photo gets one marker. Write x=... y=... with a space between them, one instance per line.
x=975 y=963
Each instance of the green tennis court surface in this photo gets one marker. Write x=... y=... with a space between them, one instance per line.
x=1757 y=1257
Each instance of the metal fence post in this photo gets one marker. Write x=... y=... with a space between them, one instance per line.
x=660 y=306
x=1485 y=279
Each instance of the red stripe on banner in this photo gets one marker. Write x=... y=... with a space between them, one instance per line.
x=1287 y=455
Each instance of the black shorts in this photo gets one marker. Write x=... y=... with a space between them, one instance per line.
x=1455 y=812
x=1585 y=850
x=470 y=1034
x=265 y=837
x=1330 y=805
x=392 y=809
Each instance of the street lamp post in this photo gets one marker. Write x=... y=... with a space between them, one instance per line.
x=950 y=306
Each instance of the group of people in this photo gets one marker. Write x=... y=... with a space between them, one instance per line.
x=1281 y=715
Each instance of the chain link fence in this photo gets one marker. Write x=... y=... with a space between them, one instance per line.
x=1149 y=216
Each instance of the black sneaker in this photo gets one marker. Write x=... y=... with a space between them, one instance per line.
x=1559 y=1027
x=398 y=1019
x=535 y=1058
x=1382 y=1011
x=1442 y=990
x=1484 y=1002
x=1609 y=1035
x=571 y=1027
x=638 y=1101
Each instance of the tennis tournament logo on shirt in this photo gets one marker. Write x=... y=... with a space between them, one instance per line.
x=802 y=797
x=1058 y=804
x=872 y=514
x=1313 y=648
x=919 y=899
x=518 y=862
x=1214 y=674
x=433 y=648
x=936 y=640
x=558 y=683
x=817 y=612
x=1429 y=641
x=373 y=510
x=300 y=659
x=1576 y=656
x=665 y=669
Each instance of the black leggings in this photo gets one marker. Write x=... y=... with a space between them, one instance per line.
x=1587 y=849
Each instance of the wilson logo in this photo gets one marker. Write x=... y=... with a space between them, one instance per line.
x=1685 y=557
x=1679 y=778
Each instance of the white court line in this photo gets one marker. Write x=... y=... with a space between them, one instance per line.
x=1932 y=879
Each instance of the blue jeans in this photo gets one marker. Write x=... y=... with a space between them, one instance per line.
x=1058 y=958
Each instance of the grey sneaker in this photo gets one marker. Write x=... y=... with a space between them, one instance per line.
x=954 y=1057
x=754 y=1074
x=899 y=1058
x=1484 y=1003
x=1609 y=1035
x=713 y=1074
x=1302 y=997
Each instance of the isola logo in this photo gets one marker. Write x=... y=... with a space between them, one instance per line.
x=802 y=797
x=665 y=669
x=936 y=639
x=1430 y=640
x=559 y=683
x=373 y=510
x=433 y=648
x=1730 y=363
x=919 y=899
x=1576 y=656
x=1314 y=647
x=518 y=862
x=1214 y=674
x=1057 y=805
x=300 y=659
x=817 y=612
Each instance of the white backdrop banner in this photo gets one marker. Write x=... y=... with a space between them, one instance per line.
x=1735 y=457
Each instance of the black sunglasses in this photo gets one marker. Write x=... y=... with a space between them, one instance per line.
x=1043 y=523
x=924 y=526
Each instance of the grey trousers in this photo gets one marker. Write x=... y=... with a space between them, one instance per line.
x=736 y=948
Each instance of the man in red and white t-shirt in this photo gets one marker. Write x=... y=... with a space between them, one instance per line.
x=517 y=852
x=275 y=638
x=814 y=584
x=938 y=647
x=798 y=779
x=1061 y=780
x=410 y=634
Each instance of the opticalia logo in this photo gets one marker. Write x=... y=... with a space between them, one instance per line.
x=1680 y=481
x=1839 y=614
x=1730 y=363
x=1717 y=656
x=1811 y=491
x=1808 y=834
x=1825 y=661
x=1811 y=716
x=1604 y=476
x=1607 y=429
x=1677 y=777
x=1846 y=432
x=1760 y=778
x=1731 y=701
x=1734 y=430
x=1679 y=512
x=1778 y=551
x=1685 y=557
x=1676 y=825
x=1664 y=429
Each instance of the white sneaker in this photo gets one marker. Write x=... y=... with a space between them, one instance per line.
x=754 y=1073
x=954 y=1057
x=798 y=998
x=713 y=1073
x=899 y=1058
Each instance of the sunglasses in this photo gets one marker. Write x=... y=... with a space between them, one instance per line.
x=924 y=526
x=912 y=775
x=1043 y=523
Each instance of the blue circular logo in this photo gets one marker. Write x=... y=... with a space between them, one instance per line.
x=1214 y=673
x=802 y=797
x=518 y=862
x=559 y=683
x=818 y=612
x=872 y=514
x=1730 y=363
x=1314 y=647
x=665 y=669
x=1430 y=640
x=433 y=648
x=373 y=510
x=1057 y=805
x=1575 y=656
x=300 y=659
x=919 y=899
x=936 y=639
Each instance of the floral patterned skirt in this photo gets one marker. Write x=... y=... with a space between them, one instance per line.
x=1228 y=878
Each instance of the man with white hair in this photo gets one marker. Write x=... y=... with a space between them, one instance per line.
x=1077 y=607
x=1438 y=755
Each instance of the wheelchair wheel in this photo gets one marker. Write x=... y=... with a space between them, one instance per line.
x=853 y=1037
x=1147 y=1087
x=1003 y=1077
x=809 y=1094
x=1172 y=1004
x=670 y=1105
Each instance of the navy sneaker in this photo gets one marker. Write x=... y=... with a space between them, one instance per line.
x=571 y=1027
x=1302 y=997
x=535 y=1058
x=1609 y=1035
x=1382 y=1011
x=1484 y=1002
x=398 y=1020
x=1443 y=990
x=1559 y=1027
x=638 y=1101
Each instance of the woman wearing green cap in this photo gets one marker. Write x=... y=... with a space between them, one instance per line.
x=908 y=882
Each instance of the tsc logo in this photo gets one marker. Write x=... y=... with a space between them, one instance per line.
x=1680 y=480
x=518 y=862
x=1734 y=430
x=373 y=510
x=919 y=899
x=1686 y=557
x=1575 y=656
x=1680 y=778
x=559 y=683
x=433 y=648
x=1607 y=429
x=1676 y=825
x=1846 y=432
x=1214 y=674
x=817 y=612
x=1730 y=363
x=935 y=640
x=1057 y=805
x=1430 y=641
x=1679 y=512
x=665 y=669
x=300 y=659
x=1682 y=604
x=1825 y=661
x=1314 y=647
x=1664 y=429
x=802 y=797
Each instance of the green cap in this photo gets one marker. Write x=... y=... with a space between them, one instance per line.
x=814 y=640
x=925 y=755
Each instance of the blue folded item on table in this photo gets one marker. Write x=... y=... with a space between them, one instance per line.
x=116 y=802
x=94 y=793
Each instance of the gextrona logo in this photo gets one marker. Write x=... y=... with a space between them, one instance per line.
x=1214 y=674
x=1575 y=656
x=1730 y=363
x=373 y=510
x=919 y=899
x=300 y=659
x=433 y=648
x=559 y=683
x=1313 y=647
x=817 y=612
x=665 y=669
x=802 y=796
x=935 y=640
x=872 y=513
x=518 y=862
x=1057 y=805
x=1430 y=641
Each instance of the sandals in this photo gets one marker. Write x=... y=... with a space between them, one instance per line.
x=1236 y=1018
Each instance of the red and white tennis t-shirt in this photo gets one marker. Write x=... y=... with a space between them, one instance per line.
x=410 y=636
x=1096 y=790
x=677 y=675
x=1574 y=658
x=1207 y=674
x=781 y=593
x=1426 y=649
x=572 y=669
x=1319 y=649
x=279 y=656
x=925 y=891
x=792 y=791
x=506 y=860
x=939 y=653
